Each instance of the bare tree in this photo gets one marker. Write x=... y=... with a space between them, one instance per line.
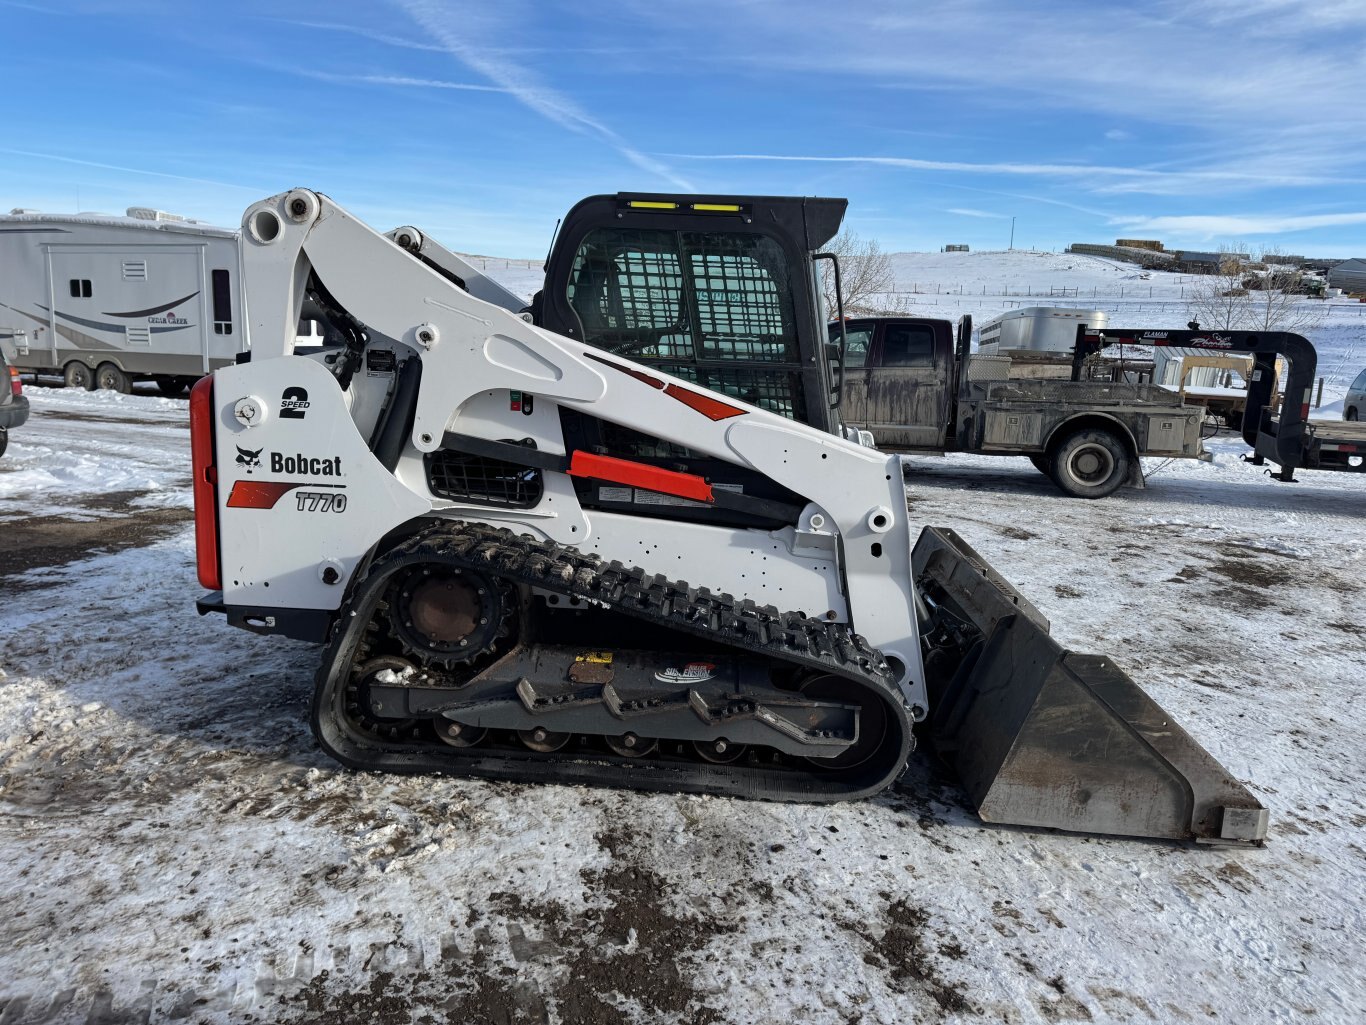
x=1277 y=296
x=1267 y=296
x=865 y=275
x=1218 y=300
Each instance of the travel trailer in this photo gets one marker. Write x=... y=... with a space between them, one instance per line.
x=103 y=301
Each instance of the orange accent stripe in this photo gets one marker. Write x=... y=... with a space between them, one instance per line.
x=640 y=475
x=205 y=481
x=259 y=494
x=712 y=409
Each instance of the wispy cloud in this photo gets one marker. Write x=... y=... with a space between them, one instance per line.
x=1118 y=135
x=1230 y=70
x=1133 y=179
x=134 y=170
x=395 y=80
x=454 y=30
x=365 y=33
x=1211 y=225
x=967 y=211
x=403 y=42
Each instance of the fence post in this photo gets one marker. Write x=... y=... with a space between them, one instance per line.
x=1319 y=400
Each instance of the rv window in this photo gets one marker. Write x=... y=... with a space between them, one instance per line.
x=222 y=303
x=80 y=288
x=905 y=345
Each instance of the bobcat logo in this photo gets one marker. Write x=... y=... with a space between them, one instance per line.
x=247 y=458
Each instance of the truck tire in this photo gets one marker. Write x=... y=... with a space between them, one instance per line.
x=1090 y=463
x=111 y=378
x=78 y=375
x=4 y=439
x=1351 y=414
x=1041 y=464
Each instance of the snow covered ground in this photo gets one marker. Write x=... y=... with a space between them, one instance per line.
x=176 y=849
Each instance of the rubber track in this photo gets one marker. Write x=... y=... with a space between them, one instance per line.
x=743 y=627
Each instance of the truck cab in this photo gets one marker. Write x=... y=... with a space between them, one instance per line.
x=899 y=375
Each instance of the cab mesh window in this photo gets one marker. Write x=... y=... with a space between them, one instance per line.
x=711 y=307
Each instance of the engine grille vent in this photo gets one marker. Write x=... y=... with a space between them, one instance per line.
x=465 y=478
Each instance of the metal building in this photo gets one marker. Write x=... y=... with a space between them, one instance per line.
x=1350 y=276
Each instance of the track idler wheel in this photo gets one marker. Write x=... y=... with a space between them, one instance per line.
x=628 y=745
x=719 y=751
x=360 y=706
x=457 y=734
x=542 y=740
x=872 y=719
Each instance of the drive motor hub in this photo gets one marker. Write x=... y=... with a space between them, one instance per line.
x=447 y=616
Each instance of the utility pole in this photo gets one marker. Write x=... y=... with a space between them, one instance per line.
x=1012 y=232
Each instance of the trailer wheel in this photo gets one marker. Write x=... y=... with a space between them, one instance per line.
x=4 y=439
x=108 y=377
x=171 y=387
x=1090 y=463
x=78 y=375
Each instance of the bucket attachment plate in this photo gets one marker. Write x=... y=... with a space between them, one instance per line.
x=1041 y=736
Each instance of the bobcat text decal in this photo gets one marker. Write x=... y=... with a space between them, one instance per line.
x=312 y=466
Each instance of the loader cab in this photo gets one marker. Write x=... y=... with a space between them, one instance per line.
x=721 y=291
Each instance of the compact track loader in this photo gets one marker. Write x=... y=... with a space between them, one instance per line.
x=619 y=538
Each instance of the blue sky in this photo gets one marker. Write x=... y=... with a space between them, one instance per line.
x=1194 y=122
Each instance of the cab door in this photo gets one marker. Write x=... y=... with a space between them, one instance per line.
x=853 y=411
x=907 y=384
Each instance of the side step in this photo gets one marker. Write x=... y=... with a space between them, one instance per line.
x=1045 y=737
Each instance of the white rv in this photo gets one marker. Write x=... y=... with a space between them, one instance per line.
x=104 y=301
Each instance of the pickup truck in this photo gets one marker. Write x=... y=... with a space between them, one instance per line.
x=13 y=404
x=915 y=388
